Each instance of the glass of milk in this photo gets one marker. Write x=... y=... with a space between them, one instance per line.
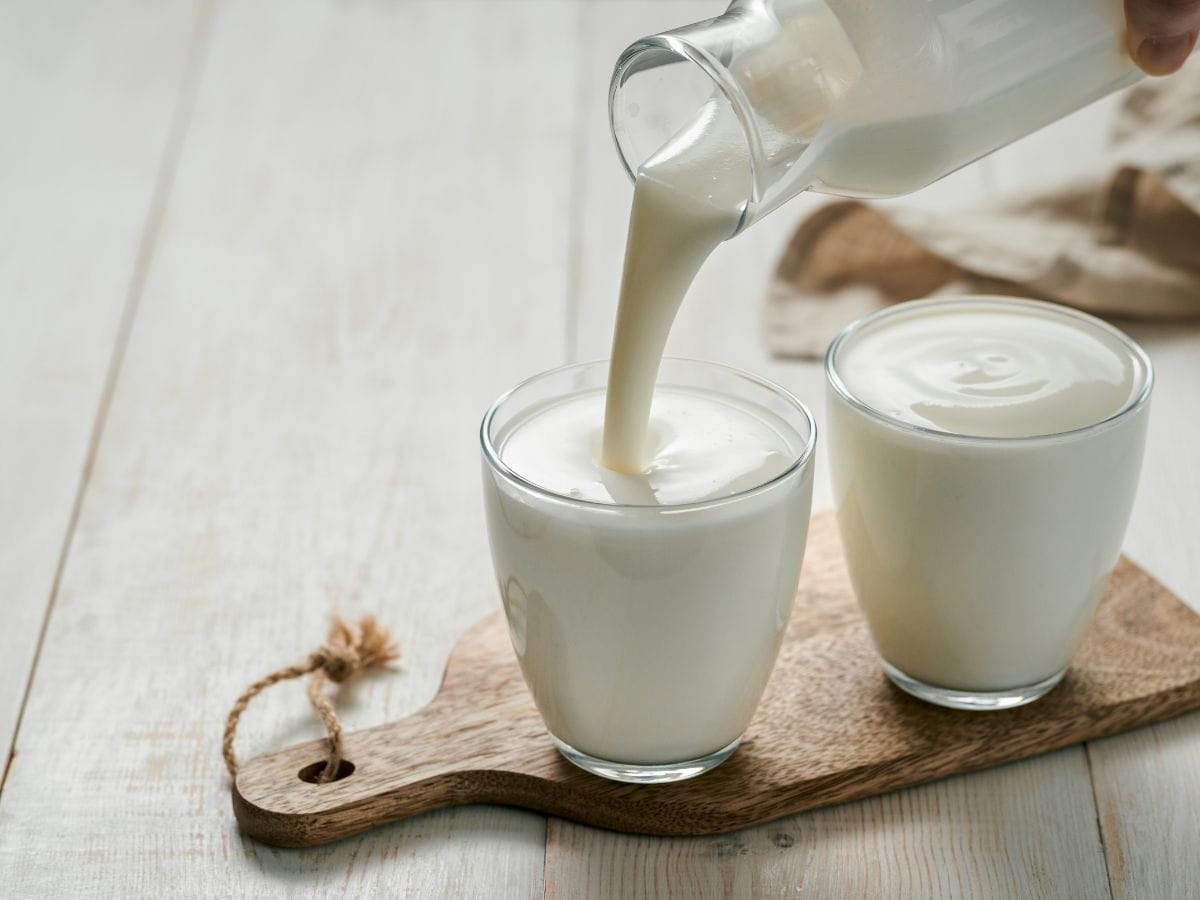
x=647 y=609
x=985 y=454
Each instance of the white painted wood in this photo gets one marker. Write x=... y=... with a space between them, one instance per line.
x=1149 y=805
x=1001 y=833
x=363 y=246
x=87 y=93
x=1165 y=525
x=1148 y=782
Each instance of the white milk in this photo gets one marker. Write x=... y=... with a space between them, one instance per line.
x=687 y=199
x=690 y=195
x=699 y=446
x=647 y=630
x=980 y=522
x=990 y=371
x=944 y=82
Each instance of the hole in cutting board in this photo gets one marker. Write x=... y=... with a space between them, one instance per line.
x=310 y=773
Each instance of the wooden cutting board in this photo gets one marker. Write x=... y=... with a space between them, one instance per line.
x=830 y=728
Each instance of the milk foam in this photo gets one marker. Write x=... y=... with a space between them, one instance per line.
x=699 y=446
x=989 y=371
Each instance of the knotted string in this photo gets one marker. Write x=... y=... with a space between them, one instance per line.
x=344 y=654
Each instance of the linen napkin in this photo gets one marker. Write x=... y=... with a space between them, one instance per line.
x=1123 y=240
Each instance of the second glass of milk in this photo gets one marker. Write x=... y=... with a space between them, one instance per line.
x=647 y=623
x=985 y=453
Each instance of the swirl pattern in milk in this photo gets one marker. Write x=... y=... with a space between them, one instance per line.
x=989 y=371
x=699 y=446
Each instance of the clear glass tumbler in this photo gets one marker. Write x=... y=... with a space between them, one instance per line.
x=646 y=633
x=979 y=561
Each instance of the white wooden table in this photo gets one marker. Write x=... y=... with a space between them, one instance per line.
x=262 y=266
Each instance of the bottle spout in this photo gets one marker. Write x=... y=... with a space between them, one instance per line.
x=664 y=83
x=772 y=83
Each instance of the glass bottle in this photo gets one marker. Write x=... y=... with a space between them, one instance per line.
x=866 y=99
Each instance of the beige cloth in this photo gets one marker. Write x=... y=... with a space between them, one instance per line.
x=1123 y=241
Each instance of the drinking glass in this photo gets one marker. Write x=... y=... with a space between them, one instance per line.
x=646 y=633
x=979 y=561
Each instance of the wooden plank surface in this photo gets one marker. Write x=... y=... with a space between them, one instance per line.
x=992 y=834
x=1148 y=783
x=362 y=247
x=88 y=94
x=262 y=461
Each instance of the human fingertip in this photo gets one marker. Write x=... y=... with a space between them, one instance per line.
x=1162 y=56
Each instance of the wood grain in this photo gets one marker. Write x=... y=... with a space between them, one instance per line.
x=995 y=833
x=830 y=728
x=1146 y=783
x=362 y=247
x=87 y=98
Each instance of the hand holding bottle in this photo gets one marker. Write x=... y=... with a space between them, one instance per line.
x=1161 y=33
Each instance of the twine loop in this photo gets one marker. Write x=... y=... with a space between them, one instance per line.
x=347 y=652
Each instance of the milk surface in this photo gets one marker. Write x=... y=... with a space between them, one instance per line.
x=979 y=559
x=699 y=446
x=989 y=371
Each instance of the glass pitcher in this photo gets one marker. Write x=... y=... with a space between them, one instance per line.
x=867 y=99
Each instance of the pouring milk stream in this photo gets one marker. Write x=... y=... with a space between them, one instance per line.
x=843 y=96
